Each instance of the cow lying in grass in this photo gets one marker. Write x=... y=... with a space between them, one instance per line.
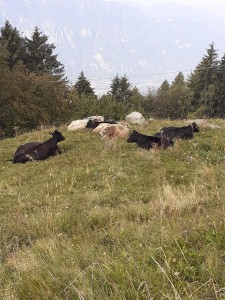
x=77 y=125
x=38 y=151
x=115 y=131
x=92 y=124
x=185 y=132
x=147 y=142
x=81 y=124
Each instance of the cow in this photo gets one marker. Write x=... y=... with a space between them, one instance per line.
x=77 y=125
x=101 y=127
x=147 y=142
x=185 y=132
x=38 y=151
x=81 y=124
x=93 y=124
x=115 y=131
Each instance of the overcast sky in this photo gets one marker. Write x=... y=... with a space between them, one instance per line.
x=214 y=6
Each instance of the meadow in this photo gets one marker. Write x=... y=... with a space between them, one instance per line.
x=106 y=220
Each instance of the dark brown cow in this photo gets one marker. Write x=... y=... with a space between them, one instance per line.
x=185 y=132
x=147 y=142
x=38 y=151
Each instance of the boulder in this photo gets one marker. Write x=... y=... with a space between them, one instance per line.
x=135 y=118
x=199 y=122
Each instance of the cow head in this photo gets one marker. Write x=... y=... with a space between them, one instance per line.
x=166 y=142
x=133 y=137
x=195 y=127
x=90 y=124
x=57 y=135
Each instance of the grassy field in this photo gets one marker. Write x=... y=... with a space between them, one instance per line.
x=106 y=220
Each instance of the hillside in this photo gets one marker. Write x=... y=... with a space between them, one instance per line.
x=108 y=221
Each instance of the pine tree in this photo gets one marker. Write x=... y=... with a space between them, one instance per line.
x=161 y=104
x=148 y=102
x=12 y=41
x=120 y=88
x=115 y=87
x=179 y=98
x=39 y=57
x=83 y=86
x=219 y=104
x=135 y=101
x=202 y=78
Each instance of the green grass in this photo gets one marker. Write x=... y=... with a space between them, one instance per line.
x=106 y=220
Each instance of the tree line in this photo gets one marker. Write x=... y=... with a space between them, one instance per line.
x=34 y=89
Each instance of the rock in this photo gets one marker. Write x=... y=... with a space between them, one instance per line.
x=204 y=123
x=199 y=122
x=135 y=118
x=213 y=126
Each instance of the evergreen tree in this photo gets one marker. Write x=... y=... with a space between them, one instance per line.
x=83 y=86
x=53 y=97
x=39 y=56
x=112 y=109
x=179 y=98
x=135 y=101
x=161 y=105
x=115 y=87
x=219 y=91
x=202 y=78
x=11 y=40
x=148 y=103
x=120 y=88
x=18 y=106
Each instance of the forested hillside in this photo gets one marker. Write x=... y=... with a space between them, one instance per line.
x=34 y=90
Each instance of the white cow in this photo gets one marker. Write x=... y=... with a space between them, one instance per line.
x=81 y=124
x=77 y=125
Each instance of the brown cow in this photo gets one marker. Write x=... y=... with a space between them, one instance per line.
x=115 y=131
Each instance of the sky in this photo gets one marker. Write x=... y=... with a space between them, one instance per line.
x=212 y=6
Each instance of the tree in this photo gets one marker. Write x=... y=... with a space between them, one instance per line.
x=202 y=78
x=179 y=98
x=161 y=104
x=83 y=86
x=110 y=108
x=148 y=102
x=39 y=57
x=120 y=88
x=12 y=41
x=135 y=102
x=219 y=104
x=18 y=107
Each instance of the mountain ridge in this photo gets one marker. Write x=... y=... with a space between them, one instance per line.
x=105 y=38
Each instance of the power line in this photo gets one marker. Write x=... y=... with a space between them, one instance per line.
x=160 y=73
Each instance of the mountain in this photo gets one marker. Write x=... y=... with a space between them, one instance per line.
x=104 y=38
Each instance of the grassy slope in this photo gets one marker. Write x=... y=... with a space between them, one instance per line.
x=105 y=220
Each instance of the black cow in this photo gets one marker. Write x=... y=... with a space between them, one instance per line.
x=148 y=142
x=38 y=151
x=185 y=132
x=93 y=124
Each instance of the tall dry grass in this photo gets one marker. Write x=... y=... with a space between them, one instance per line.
x=109 y=221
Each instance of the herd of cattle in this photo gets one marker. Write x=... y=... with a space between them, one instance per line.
x=108 y=130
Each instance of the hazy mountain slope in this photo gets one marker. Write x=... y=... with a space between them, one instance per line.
x=105 y=38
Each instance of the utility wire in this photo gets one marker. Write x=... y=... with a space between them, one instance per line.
x=160 y=73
